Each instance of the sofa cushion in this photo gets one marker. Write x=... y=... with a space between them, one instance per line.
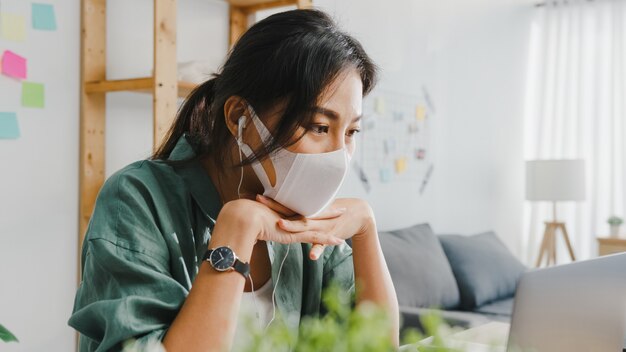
x=485 y=270
x=500 y=308
x=419 y=268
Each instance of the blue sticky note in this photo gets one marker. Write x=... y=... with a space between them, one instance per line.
x=385 y=175
x=8 y=126
x=43 y=17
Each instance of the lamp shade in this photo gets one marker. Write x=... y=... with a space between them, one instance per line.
x=555 y=180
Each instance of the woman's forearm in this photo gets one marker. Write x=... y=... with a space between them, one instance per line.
x=372 y=277
x=207 y=319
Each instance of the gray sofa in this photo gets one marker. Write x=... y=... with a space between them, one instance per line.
x=469 y=280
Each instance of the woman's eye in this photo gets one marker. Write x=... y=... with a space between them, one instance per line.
x=320 y=129
x=353 y=132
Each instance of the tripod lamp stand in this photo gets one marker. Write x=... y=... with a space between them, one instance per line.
x=555 y=181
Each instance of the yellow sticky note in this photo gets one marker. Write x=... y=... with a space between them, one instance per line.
x=420 y=113
x=13 y=27
x=379 y=105
x=400 y=165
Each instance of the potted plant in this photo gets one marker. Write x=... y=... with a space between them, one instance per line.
x=342 y=329
x=6 y=335
x=615 y=222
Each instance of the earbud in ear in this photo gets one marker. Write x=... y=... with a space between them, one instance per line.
x=240 y=126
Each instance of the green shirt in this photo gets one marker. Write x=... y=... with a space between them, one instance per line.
x=150 y=227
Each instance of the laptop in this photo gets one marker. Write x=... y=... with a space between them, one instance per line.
x=574 y=307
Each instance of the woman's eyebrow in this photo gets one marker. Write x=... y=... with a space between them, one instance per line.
x=333 y=115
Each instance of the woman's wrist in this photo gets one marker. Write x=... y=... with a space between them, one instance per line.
x=367 y=220
x=236 y=227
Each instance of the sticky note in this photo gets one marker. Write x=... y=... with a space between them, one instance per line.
x=8 y=126
x=385 y=175
x=43 y=17
x=420 y=113
x=32 y=95
x=13 y=65
x=13 y=27
x=379 y=105
x=400 y=165
x=420 y=154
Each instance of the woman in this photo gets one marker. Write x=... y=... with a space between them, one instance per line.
x=278 y=120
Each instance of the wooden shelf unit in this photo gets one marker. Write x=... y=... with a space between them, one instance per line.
x=163 y=85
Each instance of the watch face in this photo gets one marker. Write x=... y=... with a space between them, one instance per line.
x=222 y=258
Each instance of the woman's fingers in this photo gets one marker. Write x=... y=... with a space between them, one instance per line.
x=311 y=237
x=275 y=206
x=316 y=251
x=329 y=213
x=300 y=225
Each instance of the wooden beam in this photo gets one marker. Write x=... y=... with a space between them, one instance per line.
x=165 y=90
x=185 y=88
x=92 y=111
x=140 y=85
x=133 y=84
x=304 y=4
x=248 y=3
x=238 y=24
x=268 y=5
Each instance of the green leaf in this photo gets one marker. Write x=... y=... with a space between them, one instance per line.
x=6 y=335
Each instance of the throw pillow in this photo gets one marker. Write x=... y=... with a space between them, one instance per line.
x=485 y=270
x=419 y=268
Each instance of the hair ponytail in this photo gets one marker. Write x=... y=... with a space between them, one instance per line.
x=191 y=118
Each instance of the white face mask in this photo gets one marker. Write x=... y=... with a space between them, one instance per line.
x=305 y=183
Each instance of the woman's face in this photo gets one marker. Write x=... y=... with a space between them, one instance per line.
x=334 y=126
x=337 y=118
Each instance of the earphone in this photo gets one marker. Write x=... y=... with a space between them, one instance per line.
x=240 y=126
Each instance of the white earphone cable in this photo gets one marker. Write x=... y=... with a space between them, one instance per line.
x=280 y=269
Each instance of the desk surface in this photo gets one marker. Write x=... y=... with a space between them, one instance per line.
x=490 y=337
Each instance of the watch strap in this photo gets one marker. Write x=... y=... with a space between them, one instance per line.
x=242 y=268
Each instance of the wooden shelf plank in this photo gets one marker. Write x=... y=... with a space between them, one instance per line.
x=133 y=84
x=184 y=88
x=142 y=85
x=269 y=3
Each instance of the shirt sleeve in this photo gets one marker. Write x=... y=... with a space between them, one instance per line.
x=127 y=291
x=124 y=295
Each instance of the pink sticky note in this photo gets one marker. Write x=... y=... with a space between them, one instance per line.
x=13 y=65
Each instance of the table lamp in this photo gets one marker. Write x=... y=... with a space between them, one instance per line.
x=555 y=181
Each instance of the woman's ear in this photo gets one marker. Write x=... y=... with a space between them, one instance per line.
x=234 y=108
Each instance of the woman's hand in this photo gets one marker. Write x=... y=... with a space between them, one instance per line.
x=265 y=221
x=344 y=218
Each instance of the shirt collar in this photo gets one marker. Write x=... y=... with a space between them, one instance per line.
x=196 y=178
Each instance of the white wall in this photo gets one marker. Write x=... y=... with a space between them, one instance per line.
x=472 y=56
x=470 y=53
x=38 y=188
x=480 y=60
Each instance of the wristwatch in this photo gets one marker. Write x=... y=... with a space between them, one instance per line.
x=224 y=259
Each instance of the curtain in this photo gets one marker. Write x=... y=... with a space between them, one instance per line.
x=575 y=107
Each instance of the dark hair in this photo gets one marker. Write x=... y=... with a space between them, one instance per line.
x=291 y=56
